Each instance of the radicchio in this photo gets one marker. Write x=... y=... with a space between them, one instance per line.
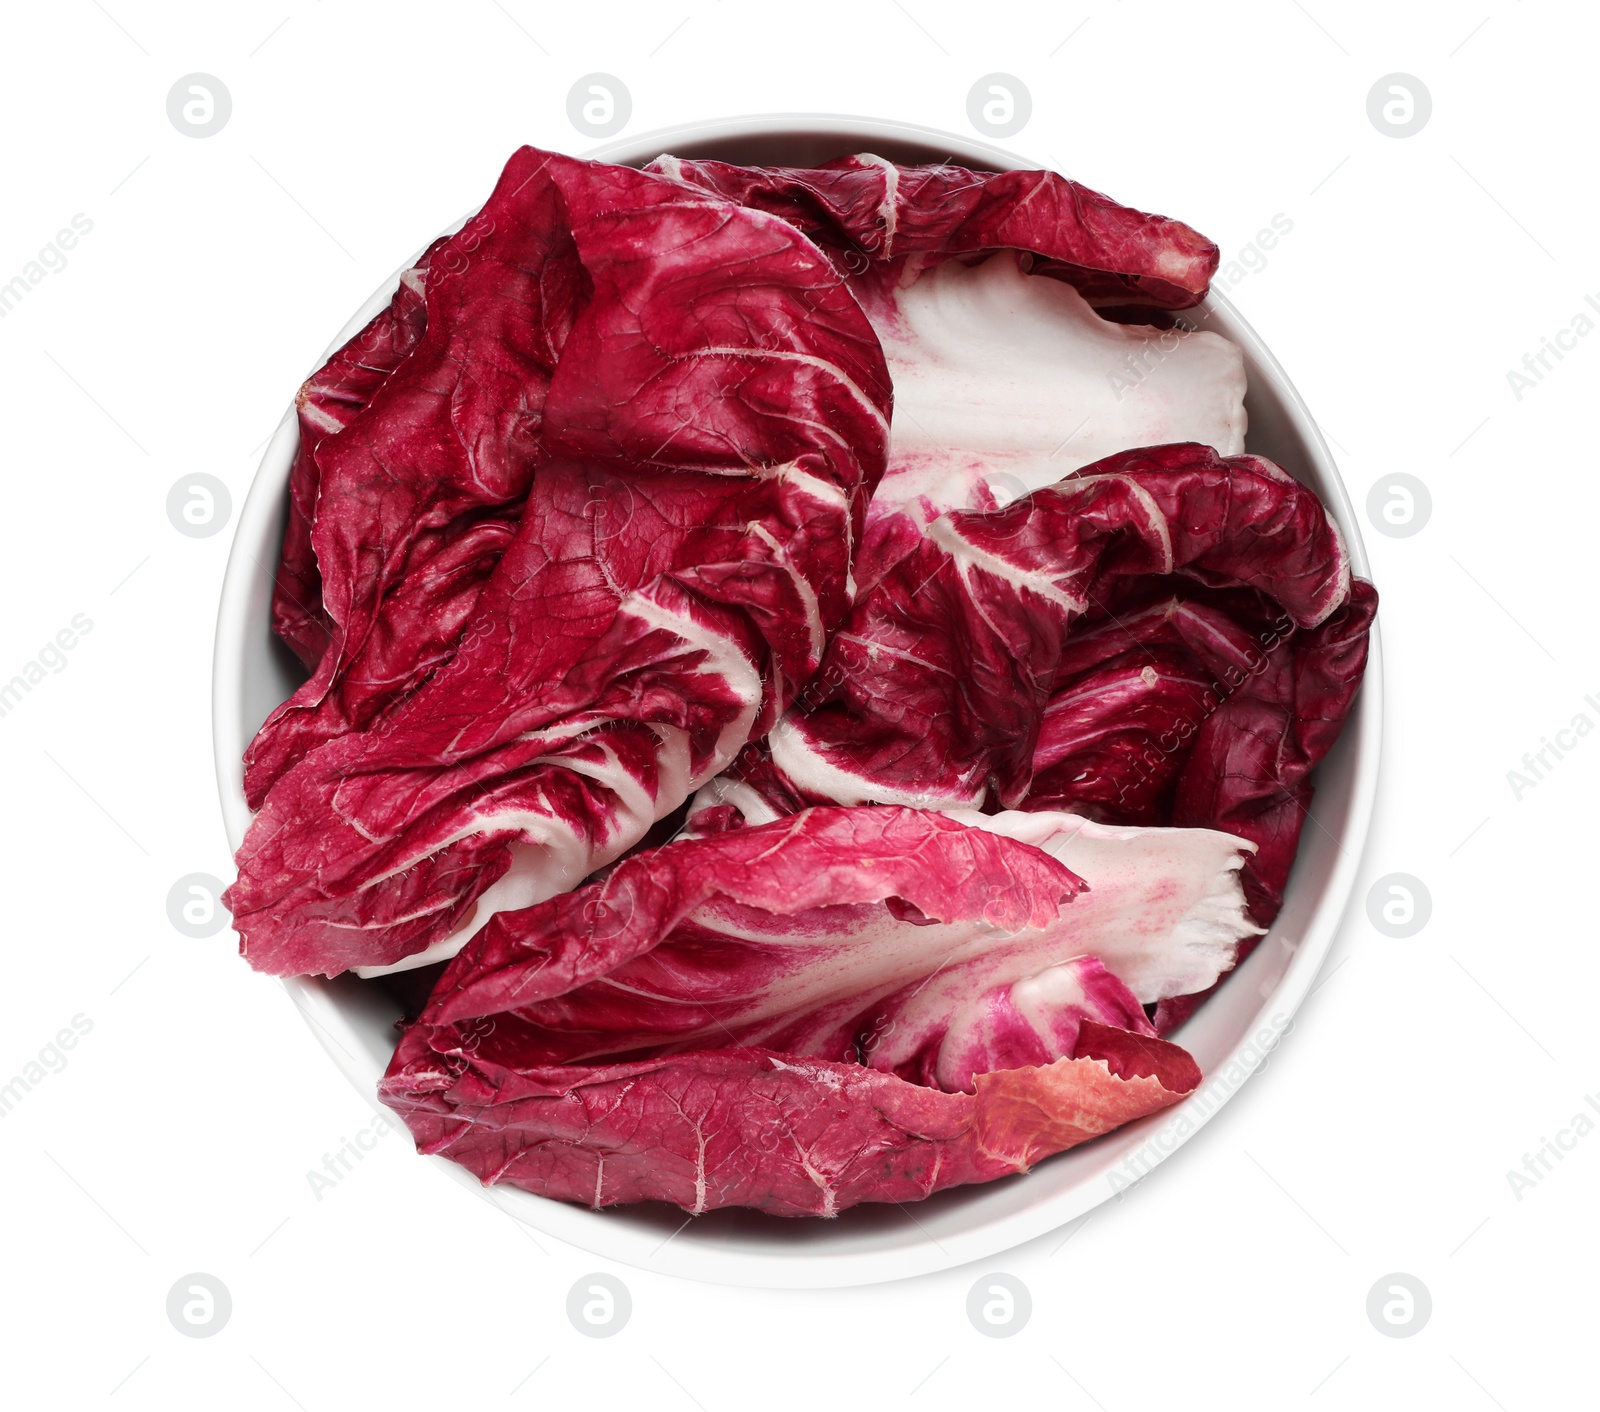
x=706 y=433
x=864 y=210
x=330 y=399
x=934 y=690
x=608 y=493
x=748 y=1127
x=1202 y=708
x=664 y=1034
x=983 y=288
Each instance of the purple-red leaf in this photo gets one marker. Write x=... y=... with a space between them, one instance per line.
x=934 y=691
x=788 y=1135
x=695 y=410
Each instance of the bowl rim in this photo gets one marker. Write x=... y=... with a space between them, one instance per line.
x=1152 y=1139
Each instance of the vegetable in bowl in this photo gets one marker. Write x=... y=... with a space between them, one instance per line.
x=617 y=507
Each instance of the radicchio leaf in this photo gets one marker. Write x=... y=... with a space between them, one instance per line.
x=330 y=399
x=983 y=288
x=698 y=946
x=664 y=596
x=933 y=692
x=874 y=210
x=787 y=1135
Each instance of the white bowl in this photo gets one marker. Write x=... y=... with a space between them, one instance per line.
x=354 y=1020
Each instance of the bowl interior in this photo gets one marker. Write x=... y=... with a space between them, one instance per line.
x=1228 y=1036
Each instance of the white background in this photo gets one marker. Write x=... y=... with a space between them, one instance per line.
x=179 y=1135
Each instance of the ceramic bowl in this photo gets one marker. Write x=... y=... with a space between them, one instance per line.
x=1230 y=1035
